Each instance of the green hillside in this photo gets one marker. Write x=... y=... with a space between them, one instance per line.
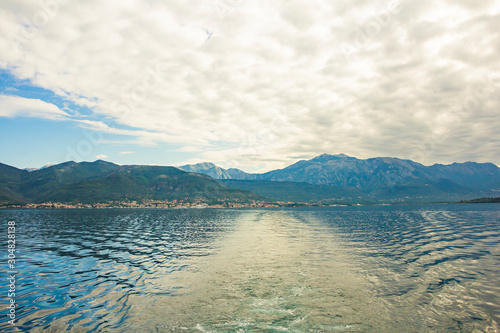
x=103 y=182
x=483 y=200
x=299 y=192
x=7 y=196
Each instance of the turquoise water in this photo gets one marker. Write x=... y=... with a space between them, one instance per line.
x=426 y=268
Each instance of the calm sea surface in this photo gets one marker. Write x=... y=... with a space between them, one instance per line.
x=427 y=268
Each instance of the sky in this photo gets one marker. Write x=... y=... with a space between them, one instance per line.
x=255 y=85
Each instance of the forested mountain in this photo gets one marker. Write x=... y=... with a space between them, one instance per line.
x=102 y=181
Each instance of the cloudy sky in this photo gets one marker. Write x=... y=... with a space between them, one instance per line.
x=250 y=84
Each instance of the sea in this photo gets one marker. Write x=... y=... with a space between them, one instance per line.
x=401 y=268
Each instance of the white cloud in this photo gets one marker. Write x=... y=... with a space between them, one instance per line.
x=259 y=84
x=14 y=106
x=100 y=157
x=127 y=152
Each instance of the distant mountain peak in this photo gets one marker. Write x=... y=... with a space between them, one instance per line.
x=36 y=169
x=328 y=157
x=203 y=165
x=215 y=171
x=102 y=162
x=207 y=164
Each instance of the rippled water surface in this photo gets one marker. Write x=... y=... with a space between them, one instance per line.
x=432 y=268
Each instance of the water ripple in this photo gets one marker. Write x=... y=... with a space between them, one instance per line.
x=358 y=269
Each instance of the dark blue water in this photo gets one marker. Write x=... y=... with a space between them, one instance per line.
x=427 y=268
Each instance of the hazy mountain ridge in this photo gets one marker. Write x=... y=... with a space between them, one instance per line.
x=477 y=175
x=380 y=178
x=342 y=170
x=371 y=173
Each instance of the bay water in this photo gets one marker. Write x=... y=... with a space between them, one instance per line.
x=422 y=268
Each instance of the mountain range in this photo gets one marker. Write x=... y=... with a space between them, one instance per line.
x=102 y=181
x=373 y=180
x=325 y=179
